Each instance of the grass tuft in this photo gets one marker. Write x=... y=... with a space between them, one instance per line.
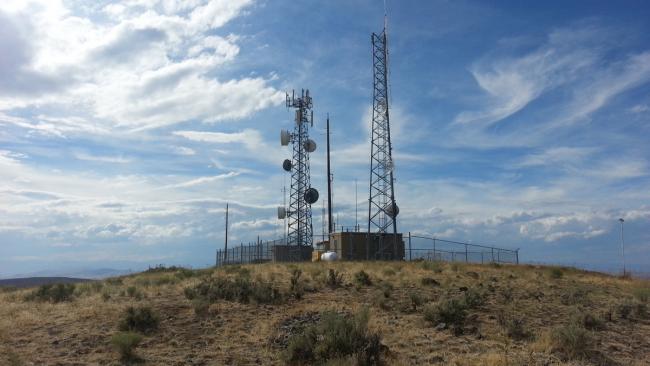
x=125 y=344
x=141 y=319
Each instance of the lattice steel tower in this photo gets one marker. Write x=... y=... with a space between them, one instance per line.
x=382 y=210
x=301 y=194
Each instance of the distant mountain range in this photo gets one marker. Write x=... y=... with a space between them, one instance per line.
x=85 y=273
x=38 y=281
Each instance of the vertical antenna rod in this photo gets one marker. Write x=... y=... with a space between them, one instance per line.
x=329 y=181
x=225 y=249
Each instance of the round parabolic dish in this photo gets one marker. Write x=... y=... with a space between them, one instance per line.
x=311 y=195
x=286 y=165
x=310 y=145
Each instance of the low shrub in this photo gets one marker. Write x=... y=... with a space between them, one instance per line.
x=386 y=289
x=571 y=341
x=53 y=293
x=141 y=319
x=416 y=300
x=239 y=289
x=641 y=310
x=131 y=291
x=591 y=322
x=428 y=281
x=574 y=296
x=382 y=302
x=624 y=310
x=388 y=272
x=473 y=298
x=114 y=281
x=434 y=266
x=642 y=294
x=336 y=337
x=513 y=326
x=556 y=273
x=201 y=307
x=334 y=278
x=451 y=312
x=362 y=278
x=296 y=289
x=184 y=273
x=125 y=343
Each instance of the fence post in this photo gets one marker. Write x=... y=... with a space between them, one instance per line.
x=410 y=253
x=517 y=255
x=492 y=254
x=466 y=259
x=434 y=249
x=499 y=256
x=481 y=256
x=241 y=253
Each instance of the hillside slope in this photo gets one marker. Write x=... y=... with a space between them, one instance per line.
x=423 y=312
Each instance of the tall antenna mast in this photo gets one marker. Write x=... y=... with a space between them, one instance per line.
x=329 y=181
x=382 y=210
x=301 y=194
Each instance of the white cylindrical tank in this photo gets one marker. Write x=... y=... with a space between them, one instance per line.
x=329 y=256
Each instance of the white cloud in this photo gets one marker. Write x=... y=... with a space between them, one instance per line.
x=148 y=68
x=184 y=151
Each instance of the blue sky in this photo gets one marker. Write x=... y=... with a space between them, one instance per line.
x=125 y=127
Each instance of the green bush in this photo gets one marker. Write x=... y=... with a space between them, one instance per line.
x=451 y=312
x=239 y=289
x=55 y=293
x=362 y=278
x=571 y=341
x=473 y=298
x=336 y=337
x=428 y=281
x=184 y=273
x=434 y=266
x=556 y=273
x=513 y=326
x=642 y=294
x=386 y=289
x=131 y=291
x=625 y=309
x=575 y=296
x=125 y=343
x=416 y=300
x=106 y=296
x=591 y=322
x=201 y=307
x=141 y=319
x=334 y=278
x=296 y=288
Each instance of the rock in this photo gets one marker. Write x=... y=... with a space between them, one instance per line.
x=474 y=275
x=440 y=327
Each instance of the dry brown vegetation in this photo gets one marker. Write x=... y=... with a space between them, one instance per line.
x=423 y=313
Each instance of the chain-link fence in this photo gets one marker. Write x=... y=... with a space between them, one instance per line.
x=434 y=249
x=416 y=248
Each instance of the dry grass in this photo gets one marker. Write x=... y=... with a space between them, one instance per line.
x=79 y=332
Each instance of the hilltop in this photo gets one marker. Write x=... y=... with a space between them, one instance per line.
x=398 y=312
